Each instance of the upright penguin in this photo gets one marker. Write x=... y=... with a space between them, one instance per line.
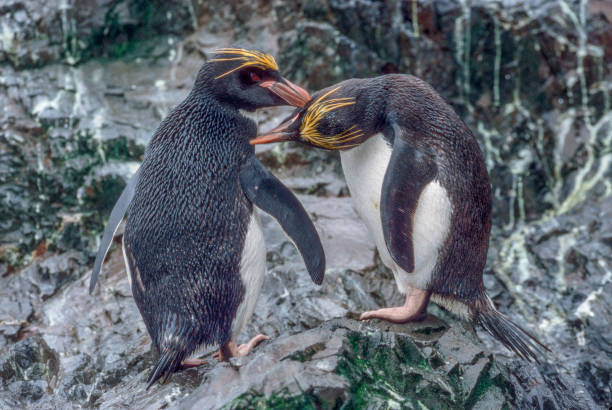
x=419 y=182
x=193 y=244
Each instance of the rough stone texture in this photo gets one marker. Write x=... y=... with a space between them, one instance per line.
x=37 y=32
x=348 y=363
x=532 y=79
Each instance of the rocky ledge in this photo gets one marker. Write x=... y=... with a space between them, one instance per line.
x=94 y=350
x=341 y=363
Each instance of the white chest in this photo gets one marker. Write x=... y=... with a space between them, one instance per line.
x=252 y=272
x=364 y=168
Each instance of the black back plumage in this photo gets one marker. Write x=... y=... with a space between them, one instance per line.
x=437 y=131
x=191 y=203
x=403 y=104
x=186 y=228
x=396 y=101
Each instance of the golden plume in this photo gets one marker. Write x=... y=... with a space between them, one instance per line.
x=317 y=110
x=249 y=58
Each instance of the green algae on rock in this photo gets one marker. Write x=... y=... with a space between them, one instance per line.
x=427 y=365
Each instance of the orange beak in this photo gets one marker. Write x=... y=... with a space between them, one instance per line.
x=289 y=92
x=277 y=134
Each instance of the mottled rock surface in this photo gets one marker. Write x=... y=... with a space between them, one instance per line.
x=84 y=84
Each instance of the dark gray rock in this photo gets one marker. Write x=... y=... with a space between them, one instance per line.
x=526 y=79
x=532 y=81
x=27 y=370
x=348 y=363
x=37 y=32
x=572 y=252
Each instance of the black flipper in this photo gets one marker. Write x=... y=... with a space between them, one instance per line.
x=269 y=194
x=116 y=216
x=408 y=172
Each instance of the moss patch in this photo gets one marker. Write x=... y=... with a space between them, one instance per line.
x=389 y=371
x=277 y=400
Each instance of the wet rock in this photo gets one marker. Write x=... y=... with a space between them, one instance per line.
x=530 y=79
x=571 y=292
x=344 y=362
x=509 y=74
x=74 y=160
x=279 y=369
x=545 y=388
x=27 y=370
x=104 y=355
x=35 y=33
x=22 y=294
x=320 y=43
x=366 y=38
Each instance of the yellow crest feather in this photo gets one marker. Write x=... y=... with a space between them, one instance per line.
x=317 y=110
x=249 y=58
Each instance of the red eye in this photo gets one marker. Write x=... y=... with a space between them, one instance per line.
x=255 y=77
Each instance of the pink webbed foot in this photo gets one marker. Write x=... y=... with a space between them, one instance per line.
x=245 y=348
x=232 y=350
x=189 y=363
x=414 y=309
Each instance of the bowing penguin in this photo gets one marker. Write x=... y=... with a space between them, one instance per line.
x=418 y=180
x=193 y=244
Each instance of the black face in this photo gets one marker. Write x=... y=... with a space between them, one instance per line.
x=335 y=118
x=248 y=80
x=243 y=89
x=291 y=124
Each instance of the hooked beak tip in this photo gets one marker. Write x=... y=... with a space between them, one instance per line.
x=292 y=94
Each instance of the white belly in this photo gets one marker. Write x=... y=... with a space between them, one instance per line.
x=364 y=168
x=252 y=272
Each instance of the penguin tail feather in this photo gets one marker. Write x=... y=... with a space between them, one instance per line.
x=174 y=345
x=169 y=361
x=510 y=334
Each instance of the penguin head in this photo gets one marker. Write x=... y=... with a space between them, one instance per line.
x=331 y=120
x=248 y=80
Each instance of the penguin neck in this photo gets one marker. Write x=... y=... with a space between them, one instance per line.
x=228 y=111
x=369 y=114
x=207 y=127
x=364 y=168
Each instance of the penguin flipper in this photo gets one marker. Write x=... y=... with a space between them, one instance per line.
x=116 y=216
x=269 y=194
x=408 y=172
